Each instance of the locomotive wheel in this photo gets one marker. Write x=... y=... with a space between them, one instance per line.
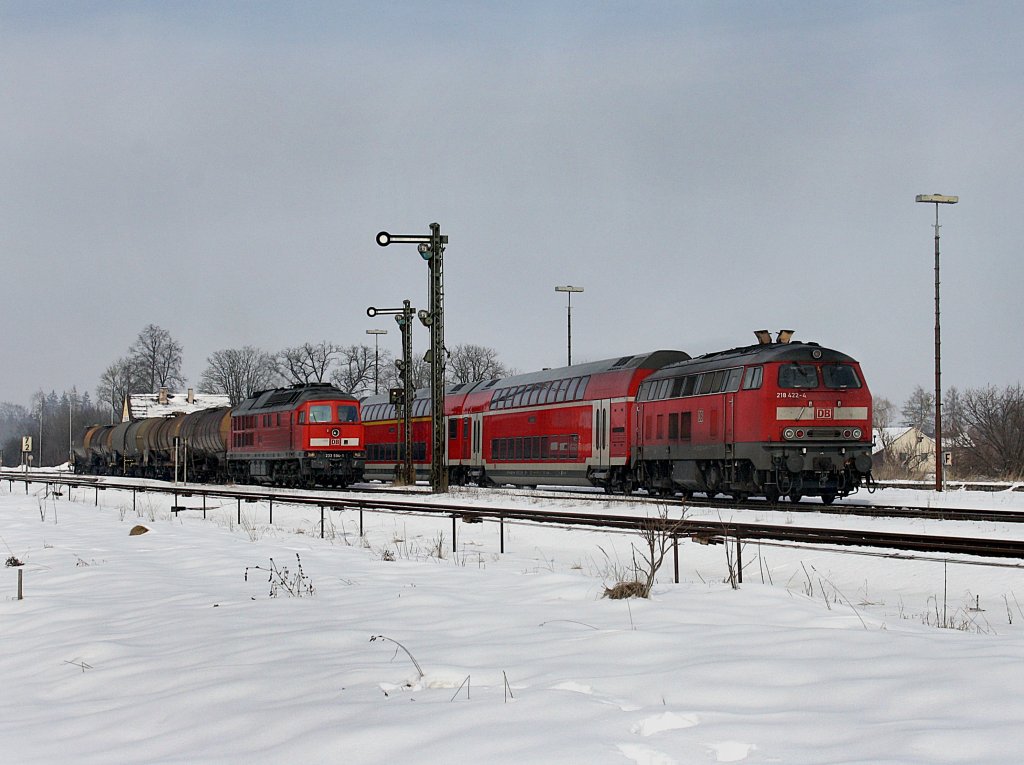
x=828 y=499
x=772 y=495
x=795 y=497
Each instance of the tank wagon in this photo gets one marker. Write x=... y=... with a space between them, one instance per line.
x=305 y=435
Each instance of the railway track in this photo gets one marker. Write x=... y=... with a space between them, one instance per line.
x=848 y=507
x=700 y=530
x=841 y=507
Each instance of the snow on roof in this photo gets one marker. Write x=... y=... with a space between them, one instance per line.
x=165 y=404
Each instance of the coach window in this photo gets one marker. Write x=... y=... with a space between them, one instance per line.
x=302 y=418
x=798 y=376
x=733 y=384
x=663 y=388
x=752 y=380
x=690 y=385
x=673 y=426
x=517 y=399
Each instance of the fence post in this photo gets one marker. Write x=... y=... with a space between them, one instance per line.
x=453 y=533
x=321 y=521
x=501 y=527
x=739 y=560
x=675 y=555
x=239 y=511
x=21 y=594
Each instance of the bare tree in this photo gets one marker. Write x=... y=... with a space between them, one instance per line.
x=355 y=370
x=238 y=372
x=953 y=417
x=919 y=410
x=307 y=363
x=993 y=421
x=469 y=363
x=883 y=414
x=158 y=359
x=117 y=381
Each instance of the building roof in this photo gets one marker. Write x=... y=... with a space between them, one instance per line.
x=164 y=404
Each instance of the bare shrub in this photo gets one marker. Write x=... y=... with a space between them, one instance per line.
x=284 y=581
x=658 y=534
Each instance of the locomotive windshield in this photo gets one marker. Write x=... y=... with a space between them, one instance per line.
x=798 y=376
x=840 y=376
x=320 y=413
x=325 y=413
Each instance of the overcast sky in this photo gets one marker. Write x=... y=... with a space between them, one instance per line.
x=702 y=169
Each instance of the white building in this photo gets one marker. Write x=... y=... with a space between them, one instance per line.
x=908 y=451
x=165 y=403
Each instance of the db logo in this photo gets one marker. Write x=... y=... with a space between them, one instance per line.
x=823 y=414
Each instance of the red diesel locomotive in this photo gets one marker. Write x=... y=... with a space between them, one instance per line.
x=304 y=435
x=298 y=436
x=782 y=419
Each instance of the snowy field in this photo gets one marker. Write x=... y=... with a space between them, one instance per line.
x=163 y=648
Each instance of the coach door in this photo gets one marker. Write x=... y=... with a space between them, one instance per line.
x=601 y=427
x=476 y=429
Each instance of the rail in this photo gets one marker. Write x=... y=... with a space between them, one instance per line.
x=702 y=531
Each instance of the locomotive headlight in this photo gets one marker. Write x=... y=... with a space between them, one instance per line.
x=789 y=434
x=857 y=433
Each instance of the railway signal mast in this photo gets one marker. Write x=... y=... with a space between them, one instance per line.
x=402 y=397
x=431 y=249
x=937 y=199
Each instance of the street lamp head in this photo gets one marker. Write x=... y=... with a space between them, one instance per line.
x=938 y=199
x=568 y=288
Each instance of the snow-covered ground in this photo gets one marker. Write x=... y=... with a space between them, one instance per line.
x=170 y=647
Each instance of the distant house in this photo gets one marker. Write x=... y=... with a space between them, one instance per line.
x=165 y=403
x=906 y=451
